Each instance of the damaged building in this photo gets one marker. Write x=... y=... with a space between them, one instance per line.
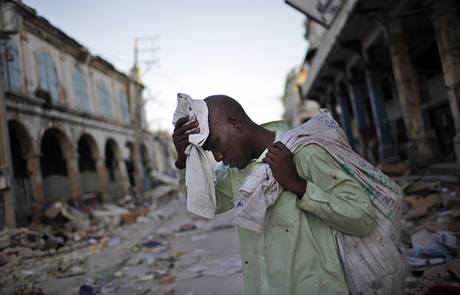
x=389 y=71
x=75 y=123
x=296 y=109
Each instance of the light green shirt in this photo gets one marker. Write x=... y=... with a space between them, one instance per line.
x=297 y=251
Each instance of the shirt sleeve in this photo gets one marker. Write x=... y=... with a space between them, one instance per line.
x=224 y=187
x=332 y=195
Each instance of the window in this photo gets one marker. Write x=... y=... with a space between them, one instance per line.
x=124 y=106
x=80 y=90
x=47 y=75
x=10 y=68
x=105 y=102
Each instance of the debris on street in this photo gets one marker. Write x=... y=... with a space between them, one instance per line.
x=106 y=249
x=136 y=247
x=62 y=237
x=430 y=234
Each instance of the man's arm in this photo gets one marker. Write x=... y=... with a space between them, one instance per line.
x=322 y=187
x=331 y=194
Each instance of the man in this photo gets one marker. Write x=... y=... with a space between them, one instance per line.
x=297 y=251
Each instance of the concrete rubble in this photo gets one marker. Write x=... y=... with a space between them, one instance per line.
x=130 y=247
x=430 y=234
x=62 y=238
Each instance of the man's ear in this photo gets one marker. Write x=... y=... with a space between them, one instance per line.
x=235 y=122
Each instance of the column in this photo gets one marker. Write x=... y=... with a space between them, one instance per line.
x=357 y=93
x=345 y=116
x=74 y=175
x=123 y=176
x=35 y=176
x=6 y=194
x=387 y=151
x=138 y=170
x=446 y=22
x=101 y=172
x=419 y=149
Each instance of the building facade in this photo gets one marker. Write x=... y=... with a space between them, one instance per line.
x=389 y=71
x=296 y=109
x=75 y=123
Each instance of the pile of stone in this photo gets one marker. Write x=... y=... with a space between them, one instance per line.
x=430 y=236
x=62 y=236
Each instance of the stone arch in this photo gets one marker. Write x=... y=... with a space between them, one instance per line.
x=56 y=153
x=93 y=146
x=88 y=155
x=112 y=157
x=23 y=144
x=62 y=137
x=21 y=150
x=112 y=144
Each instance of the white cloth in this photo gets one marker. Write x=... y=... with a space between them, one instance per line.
x=199 y=173
x=368 y=261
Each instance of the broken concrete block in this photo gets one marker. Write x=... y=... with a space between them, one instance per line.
x=169 y=279
x=419 y=206
x=129 y=218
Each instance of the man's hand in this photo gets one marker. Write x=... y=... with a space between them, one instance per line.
x=280 y=160
x=180 y=135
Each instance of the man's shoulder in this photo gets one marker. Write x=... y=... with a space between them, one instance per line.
x=309 y=151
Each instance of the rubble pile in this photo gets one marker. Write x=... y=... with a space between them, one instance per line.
x=62 y=237
x=430 y=236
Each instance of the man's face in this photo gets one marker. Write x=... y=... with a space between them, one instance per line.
x=227 y=144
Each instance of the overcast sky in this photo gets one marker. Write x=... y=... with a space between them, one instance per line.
x=240 y=48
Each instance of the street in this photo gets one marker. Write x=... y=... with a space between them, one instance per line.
x=152 y=256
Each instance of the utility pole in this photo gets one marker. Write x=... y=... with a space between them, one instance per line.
x=145 y=52
x=144 y=55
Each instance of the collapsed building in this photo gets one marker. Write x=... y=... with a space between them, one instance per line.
x=76 y=124
x=389 y=71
